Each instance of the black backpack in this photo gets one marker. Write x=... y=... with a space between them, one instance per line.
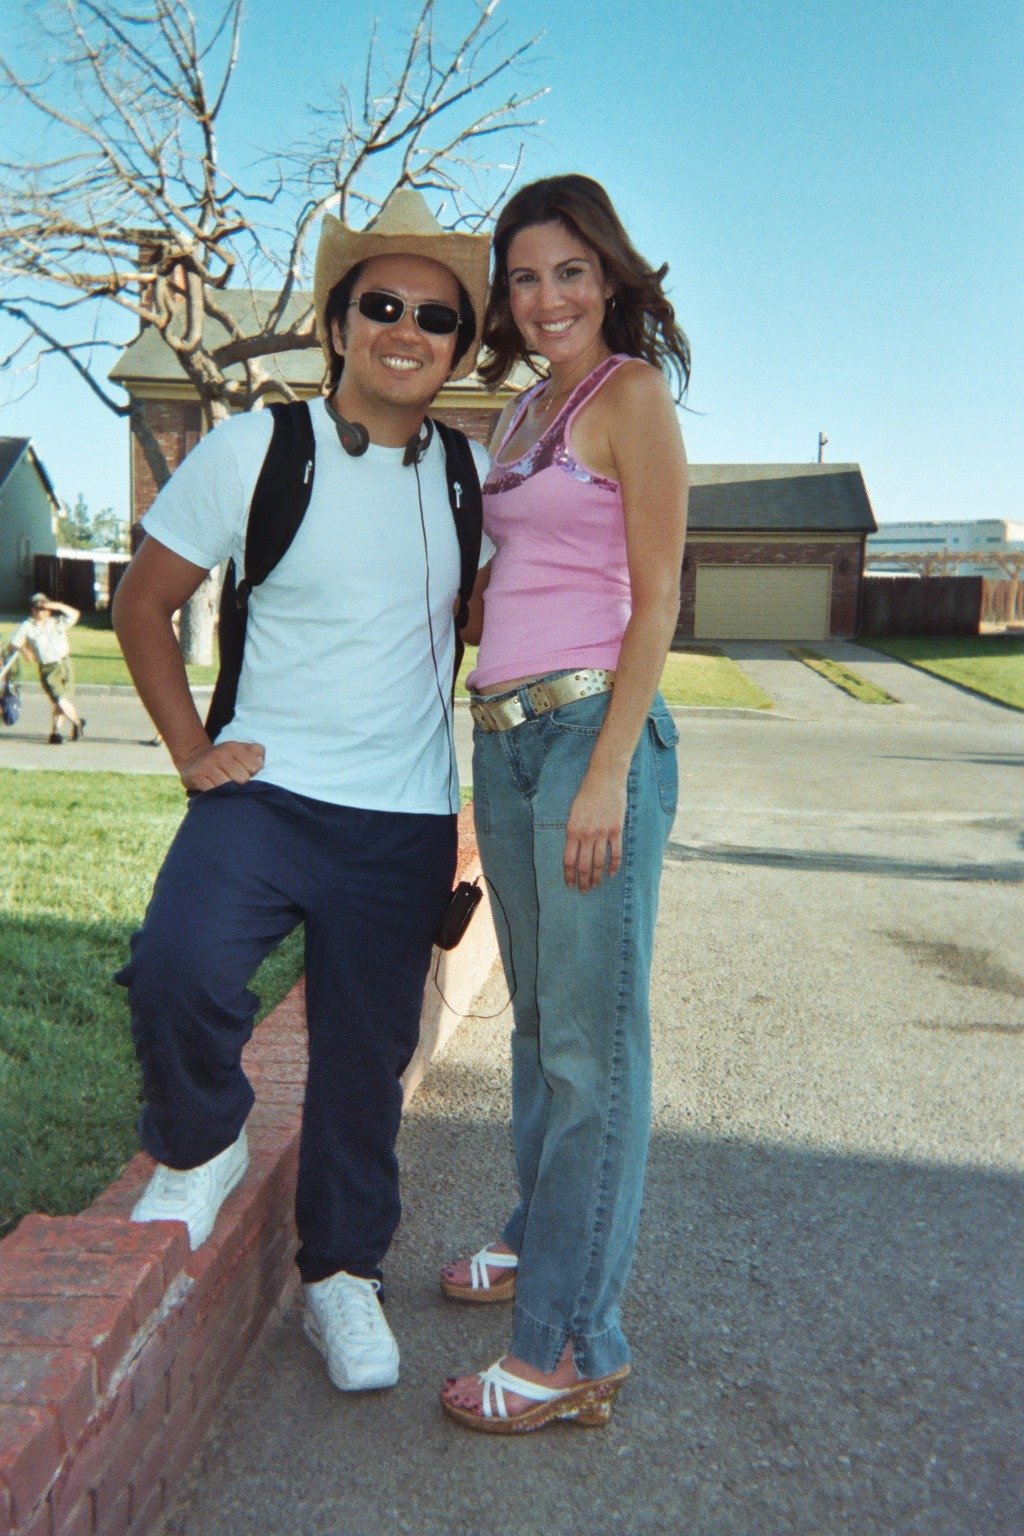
x=278 y=506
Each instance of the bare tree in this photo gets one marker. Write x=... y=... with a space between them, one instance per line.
x=129 y=208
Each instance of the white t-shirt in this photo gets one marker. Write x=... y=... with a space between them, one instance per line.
x=338 y=683
x=48 y=638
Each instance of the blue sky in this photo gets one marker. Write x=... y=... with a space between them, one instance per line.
x=836 y=186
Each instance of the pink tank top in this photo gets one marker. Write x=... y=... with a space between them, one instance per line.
x=559 y=594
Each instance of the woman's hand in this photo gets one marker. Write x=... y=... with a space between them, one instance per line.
x=593 y=834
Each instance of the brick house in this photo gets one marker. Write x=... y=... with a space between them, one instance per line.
x=150 y=372
x=774 y=551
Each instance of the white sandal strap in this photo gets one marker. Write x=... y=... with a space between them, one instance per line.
x=484 y=1260
x=496 y=1381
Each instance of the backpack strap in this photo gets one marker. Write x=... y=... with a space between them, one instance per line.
x=282 y=493
x=467 y=508
x=466 y=499
x=278 y=505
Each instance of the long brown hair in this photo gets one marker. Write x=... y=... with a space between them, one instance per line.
x=639 y=319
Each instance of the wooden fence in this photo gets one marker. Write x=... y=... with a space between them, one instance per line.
x=73 y=579
x=939 y=605
x=1003 y=604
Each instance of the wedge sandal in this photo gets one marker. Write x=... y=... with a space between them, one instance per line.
x=588 y=1403
x=481 y=1288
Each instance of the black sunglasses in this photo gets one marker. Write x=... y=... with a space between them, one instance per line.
x=388 y=309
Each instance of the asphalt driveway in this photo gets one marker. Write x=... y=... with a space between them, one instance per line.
x=827 y=1306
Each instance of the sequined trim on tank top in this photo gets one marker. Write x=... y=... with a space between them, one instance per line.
x=552 y=447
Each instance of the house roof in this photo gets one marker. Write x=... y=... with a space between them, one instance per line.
x=149 y=360
x=11 y=451
x=779 y=498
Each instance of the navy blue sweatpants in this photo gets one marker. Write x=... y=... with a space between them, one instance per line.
x=248 y=864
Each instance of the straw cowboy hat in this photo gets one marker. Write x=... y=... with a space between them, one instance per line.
x=404 y=226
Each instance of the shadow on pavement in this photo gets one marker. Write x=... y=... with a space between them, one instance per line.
x=1008 y=872
x=824 y=1344
x=987 y=759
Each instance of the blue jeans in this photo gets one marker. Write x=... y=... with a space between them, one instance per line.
x=580 y=965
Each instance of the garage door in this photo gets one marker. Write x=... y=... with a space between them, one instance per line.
x=763 y=602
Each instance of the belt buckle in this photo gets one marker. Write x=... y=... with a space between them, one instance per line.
x=542 y=697
x=510 y=712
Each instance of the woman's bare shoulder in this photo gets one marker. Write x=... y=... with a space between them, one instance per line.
x=641 y=419
x=637 y=384
x=636 y=398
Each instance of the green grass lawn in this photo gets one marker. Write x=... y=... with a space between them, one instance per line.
x=80 y=853
x=694 y=676
x=95 y=652
x=992 y=665
x=698 y=676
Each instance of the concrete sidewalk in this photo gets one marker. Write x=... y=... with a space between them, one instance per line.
x=826 y=1307
x=803 y=694
x=119 y=735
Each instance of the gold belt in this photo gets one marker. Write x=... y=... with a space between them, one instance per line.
x=503 y=714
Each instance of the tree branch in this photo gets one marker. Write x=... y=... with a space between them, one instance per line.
x=131 y=208
x=67 y=352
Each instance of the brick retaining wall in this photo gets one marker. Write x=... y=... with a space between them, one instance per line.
x=117 y=1343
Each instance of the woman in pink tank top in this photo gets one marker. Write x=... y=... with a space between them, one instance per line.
x=575 y=778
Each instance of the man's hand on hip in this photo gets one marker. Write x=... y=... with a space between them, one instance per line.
x=229 y=762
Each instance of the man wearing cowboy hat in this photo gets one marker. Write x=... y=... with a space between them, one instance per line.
x=330 y=796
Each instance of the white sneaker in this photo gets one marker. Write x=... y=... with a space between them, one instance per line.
x=345 y=1322
x=194 y=1195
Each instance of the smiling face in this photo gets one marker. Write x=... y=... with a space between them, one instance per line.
x=392 y=372
x=557 y=294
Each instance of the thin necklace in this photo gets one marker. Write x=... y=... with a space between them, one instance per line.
x=544 y=405
x=547 y=400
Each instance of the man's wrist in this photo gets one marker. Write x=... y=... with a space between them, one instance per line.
x=184 y=757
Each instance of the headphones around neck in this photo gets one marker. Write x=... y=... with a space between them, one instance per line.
x=355 y=439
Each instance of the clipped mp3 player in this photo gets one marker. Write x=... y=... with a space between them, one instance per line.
x=464 y=902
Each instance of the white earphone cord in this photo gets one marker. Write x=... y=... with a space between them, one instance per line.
x=452 y=772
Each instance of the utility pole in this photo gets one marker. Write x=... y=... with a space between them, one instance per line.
x=822 y=440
